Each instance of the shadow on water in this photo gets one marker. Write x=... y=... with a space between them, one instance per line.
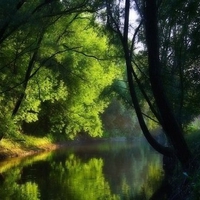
x=107 y=170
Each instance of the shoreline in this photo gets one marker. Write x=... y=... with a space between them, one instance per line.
x=6 y=153
x=20 y=149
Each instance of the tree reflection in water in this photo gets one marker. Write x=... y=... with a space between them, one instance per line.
x=111 y=171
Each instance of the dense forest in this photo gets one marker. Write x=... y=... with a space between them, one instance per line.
x=59 y=72
x=72 y=68
x=56 y=67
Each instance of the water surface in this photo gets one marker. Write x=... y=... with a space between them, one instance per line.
x=109 y=170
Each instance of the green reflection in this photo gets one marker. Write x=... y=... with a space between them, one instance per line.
x=83 y=180
x=28 y=191
x=24 y=161
x=11 y=189
x=153 y=181
x=110 y=171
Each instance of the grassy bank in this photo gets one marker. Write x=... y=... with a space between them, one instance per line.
x=26 y=146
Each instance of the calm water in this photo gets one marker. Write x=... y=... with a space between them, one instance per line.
x=104 y=171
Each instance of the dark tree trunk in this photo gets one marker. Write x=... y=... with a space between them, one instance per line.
x=158 y=147
x=170 y=124
x=27 y=76
x=165 y=113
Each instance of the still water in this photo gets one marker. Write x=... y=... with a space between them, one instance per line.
x=109 y=170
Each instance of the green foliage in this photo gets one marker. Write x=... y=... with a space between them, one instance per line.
x=59 y=72
x=85 y=77
x=179 y=57
x=44 y=86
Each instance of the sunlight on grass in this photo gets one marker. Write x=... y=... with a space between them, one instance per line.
x=26 y=146
x=36 y=141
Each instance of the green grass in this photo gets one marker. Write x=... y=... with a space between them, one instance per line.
x=11 y=147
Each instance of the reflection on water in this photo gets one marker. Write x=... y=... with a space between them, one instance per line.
x=106 y=170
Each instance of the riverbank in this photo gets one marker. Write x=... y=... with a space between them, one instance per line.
x=28 y=146
x=33 y=145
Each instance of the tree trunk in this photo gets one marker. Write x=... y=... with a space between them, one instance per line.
x=170 y=124
x=158 y=147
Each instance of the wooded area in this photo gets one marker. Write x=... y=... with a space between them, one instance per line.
x=63 y=63
x=53 y=75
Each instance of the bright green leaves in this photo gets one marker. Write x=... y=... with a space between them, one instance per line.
x=86 y=71
x=44 y=86
x=55 y=69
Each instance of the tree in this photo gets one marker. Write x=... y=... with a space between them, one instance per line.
x=169 y=121
x=121 y=32
x=161 y=100
x=41 y=14
x=178 y=54
x=85 y=76
x=59 y=73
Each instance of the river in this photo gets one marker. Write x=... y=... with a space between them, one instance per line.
x=107 y=170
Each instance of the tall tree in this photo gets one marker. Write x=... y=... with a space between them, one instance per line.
x=59 y=73
x=161 y=101
x=115 y=16
x=170 y=123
